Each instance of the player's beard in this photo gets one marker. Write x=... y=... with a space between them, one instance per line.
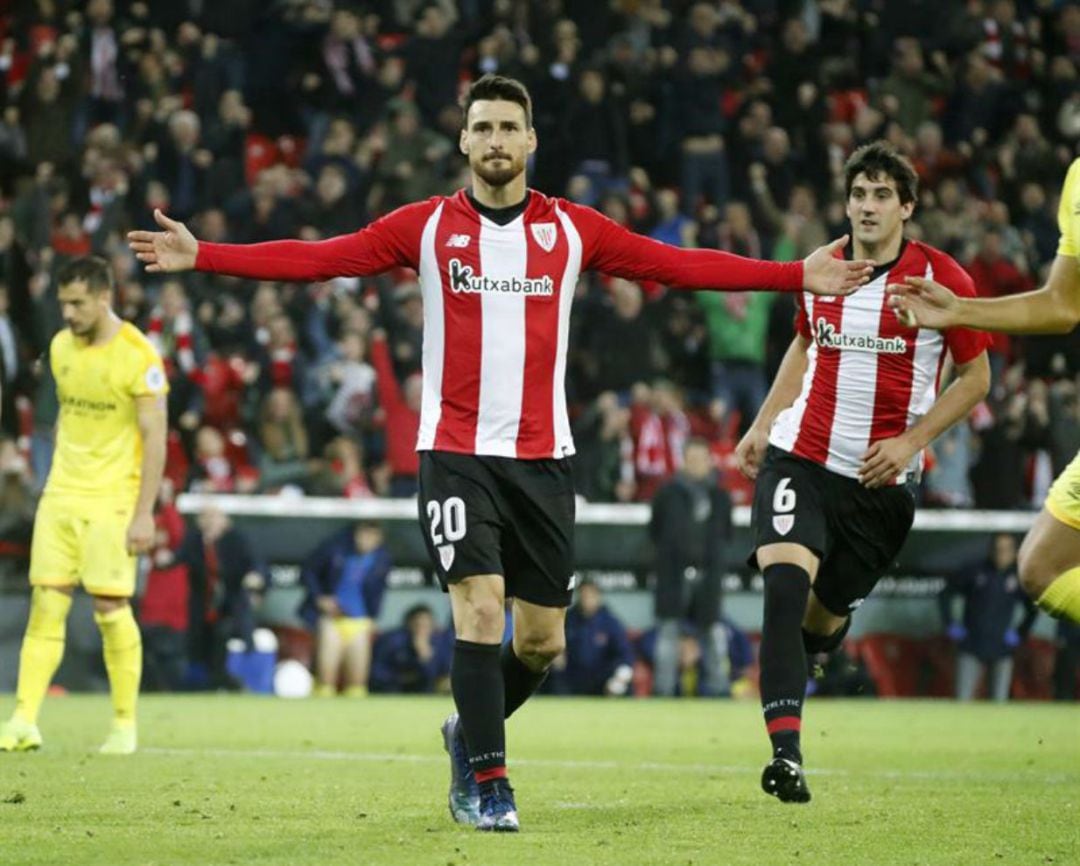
x=496 y=173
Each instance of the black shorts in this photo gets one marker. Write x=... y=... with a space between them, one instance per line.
x=499 y=515
x=855 y=532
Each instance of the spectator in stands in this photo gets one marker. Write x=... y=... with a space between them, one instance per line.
x=603 y=464
x=164 y=606
x=596 y=136
x=411 y=168
x=612 y=367
x=177 y=336
x=17 y=506
x=947 y=478
x=599 y=657
x=692 y=677
x=659 y=428
x=909 y=92
x=284 y=442
x=342 y=472
x=349 y=383
x=738 y=325
x=400 y=405
x=344 y=578
x=987 y=633
x=690 y=528
x=1064 y=424
x=999 y=476
x=699 y=92
x=222 y=571
x=413 y=658
x=212 y=471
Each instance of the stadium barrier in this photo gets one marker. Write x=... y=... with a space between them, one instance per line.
x=613 y=549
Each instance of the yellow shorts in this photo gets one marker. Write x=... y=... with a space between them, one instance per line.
x=1063 y=500
x=83 y=541
x=351 y=627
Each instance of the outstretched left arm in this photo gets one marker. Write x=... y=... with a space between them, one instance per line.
x=887 y=458
x=613 y=249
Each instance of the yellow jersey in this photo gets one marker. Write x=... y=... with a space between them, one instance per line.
x=98 y=449
x=1069 y=213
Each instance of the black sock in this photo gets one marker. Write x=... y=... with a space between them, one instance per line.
x=519 y=680
x=783 y=657
x=477 y=685
x=825 y=643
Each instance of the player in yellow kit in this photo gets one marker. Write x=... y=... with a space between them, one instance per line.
x=1050 y=555
x=96 y=513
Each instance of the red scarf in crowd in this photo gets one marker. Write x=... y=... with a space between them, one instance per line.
x=180 y=356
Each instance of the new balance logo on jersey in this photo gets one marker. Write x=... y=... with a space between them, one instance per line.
x=458 y=241
x=464 y=280
x=826 y=336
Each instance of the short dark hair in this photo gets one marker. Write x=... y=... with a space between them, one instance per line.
x=92 y=270
x=493 y=86
x=880 y=158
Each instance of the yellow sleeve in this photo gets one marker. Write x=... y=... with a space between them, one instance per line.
x=1068 y=218
x=148 y=373
x=56 y=355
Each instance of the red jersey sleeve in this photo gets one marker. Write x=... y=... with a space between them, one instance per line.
x=391 y=241
x=612 y=249
x=964 y=343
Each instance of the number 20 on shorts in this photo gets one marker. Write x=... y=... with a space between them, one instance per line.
x=447 y=520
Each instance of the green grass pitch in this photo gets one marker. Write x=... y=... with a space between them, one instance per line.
x=247 y=780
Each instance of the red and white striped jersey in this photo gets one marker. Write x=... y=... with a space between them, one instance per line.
x=870 y=378
x=497 y=304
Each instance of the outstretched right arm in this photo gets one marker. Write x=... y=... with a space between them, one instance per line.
x=1053 y=309
x=393 y=240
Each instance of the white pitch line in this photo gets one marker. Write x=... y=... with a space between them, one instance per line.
x=646 y=766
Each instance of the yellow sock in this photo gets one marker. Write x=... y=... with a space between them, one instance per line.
x=1062 y=597
x=123 y=659
x=42 y=649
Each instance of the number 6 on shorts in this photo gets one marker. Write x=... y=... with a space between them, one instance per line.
x=783 y=500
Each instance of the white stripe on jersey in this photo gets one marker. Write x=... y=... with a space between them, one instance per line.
x=503 y=256
x=785 y=429
x=929 y=347
x=564 y=441
x=433 y=340
x=856 y=381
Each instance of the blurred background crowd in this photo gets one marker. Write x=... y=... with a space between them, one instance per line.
x=718 y=124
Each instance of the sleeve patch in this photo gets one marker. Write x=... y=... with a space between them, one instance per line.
x=155 y=378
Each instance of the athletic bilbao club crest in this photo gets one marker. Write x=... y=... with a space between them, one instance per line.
x=446 y=556
x=782 y=523
x=545 y=235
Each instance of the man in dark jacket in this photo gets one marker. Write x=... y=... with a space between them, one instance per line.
x=221 y=571
x=987 y=636
x=413 y=658
x=345 y=578
x=599 y=658
x=690 y=528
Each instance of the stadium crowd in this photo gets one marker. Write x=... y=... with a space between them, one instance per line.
x=718 y=124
